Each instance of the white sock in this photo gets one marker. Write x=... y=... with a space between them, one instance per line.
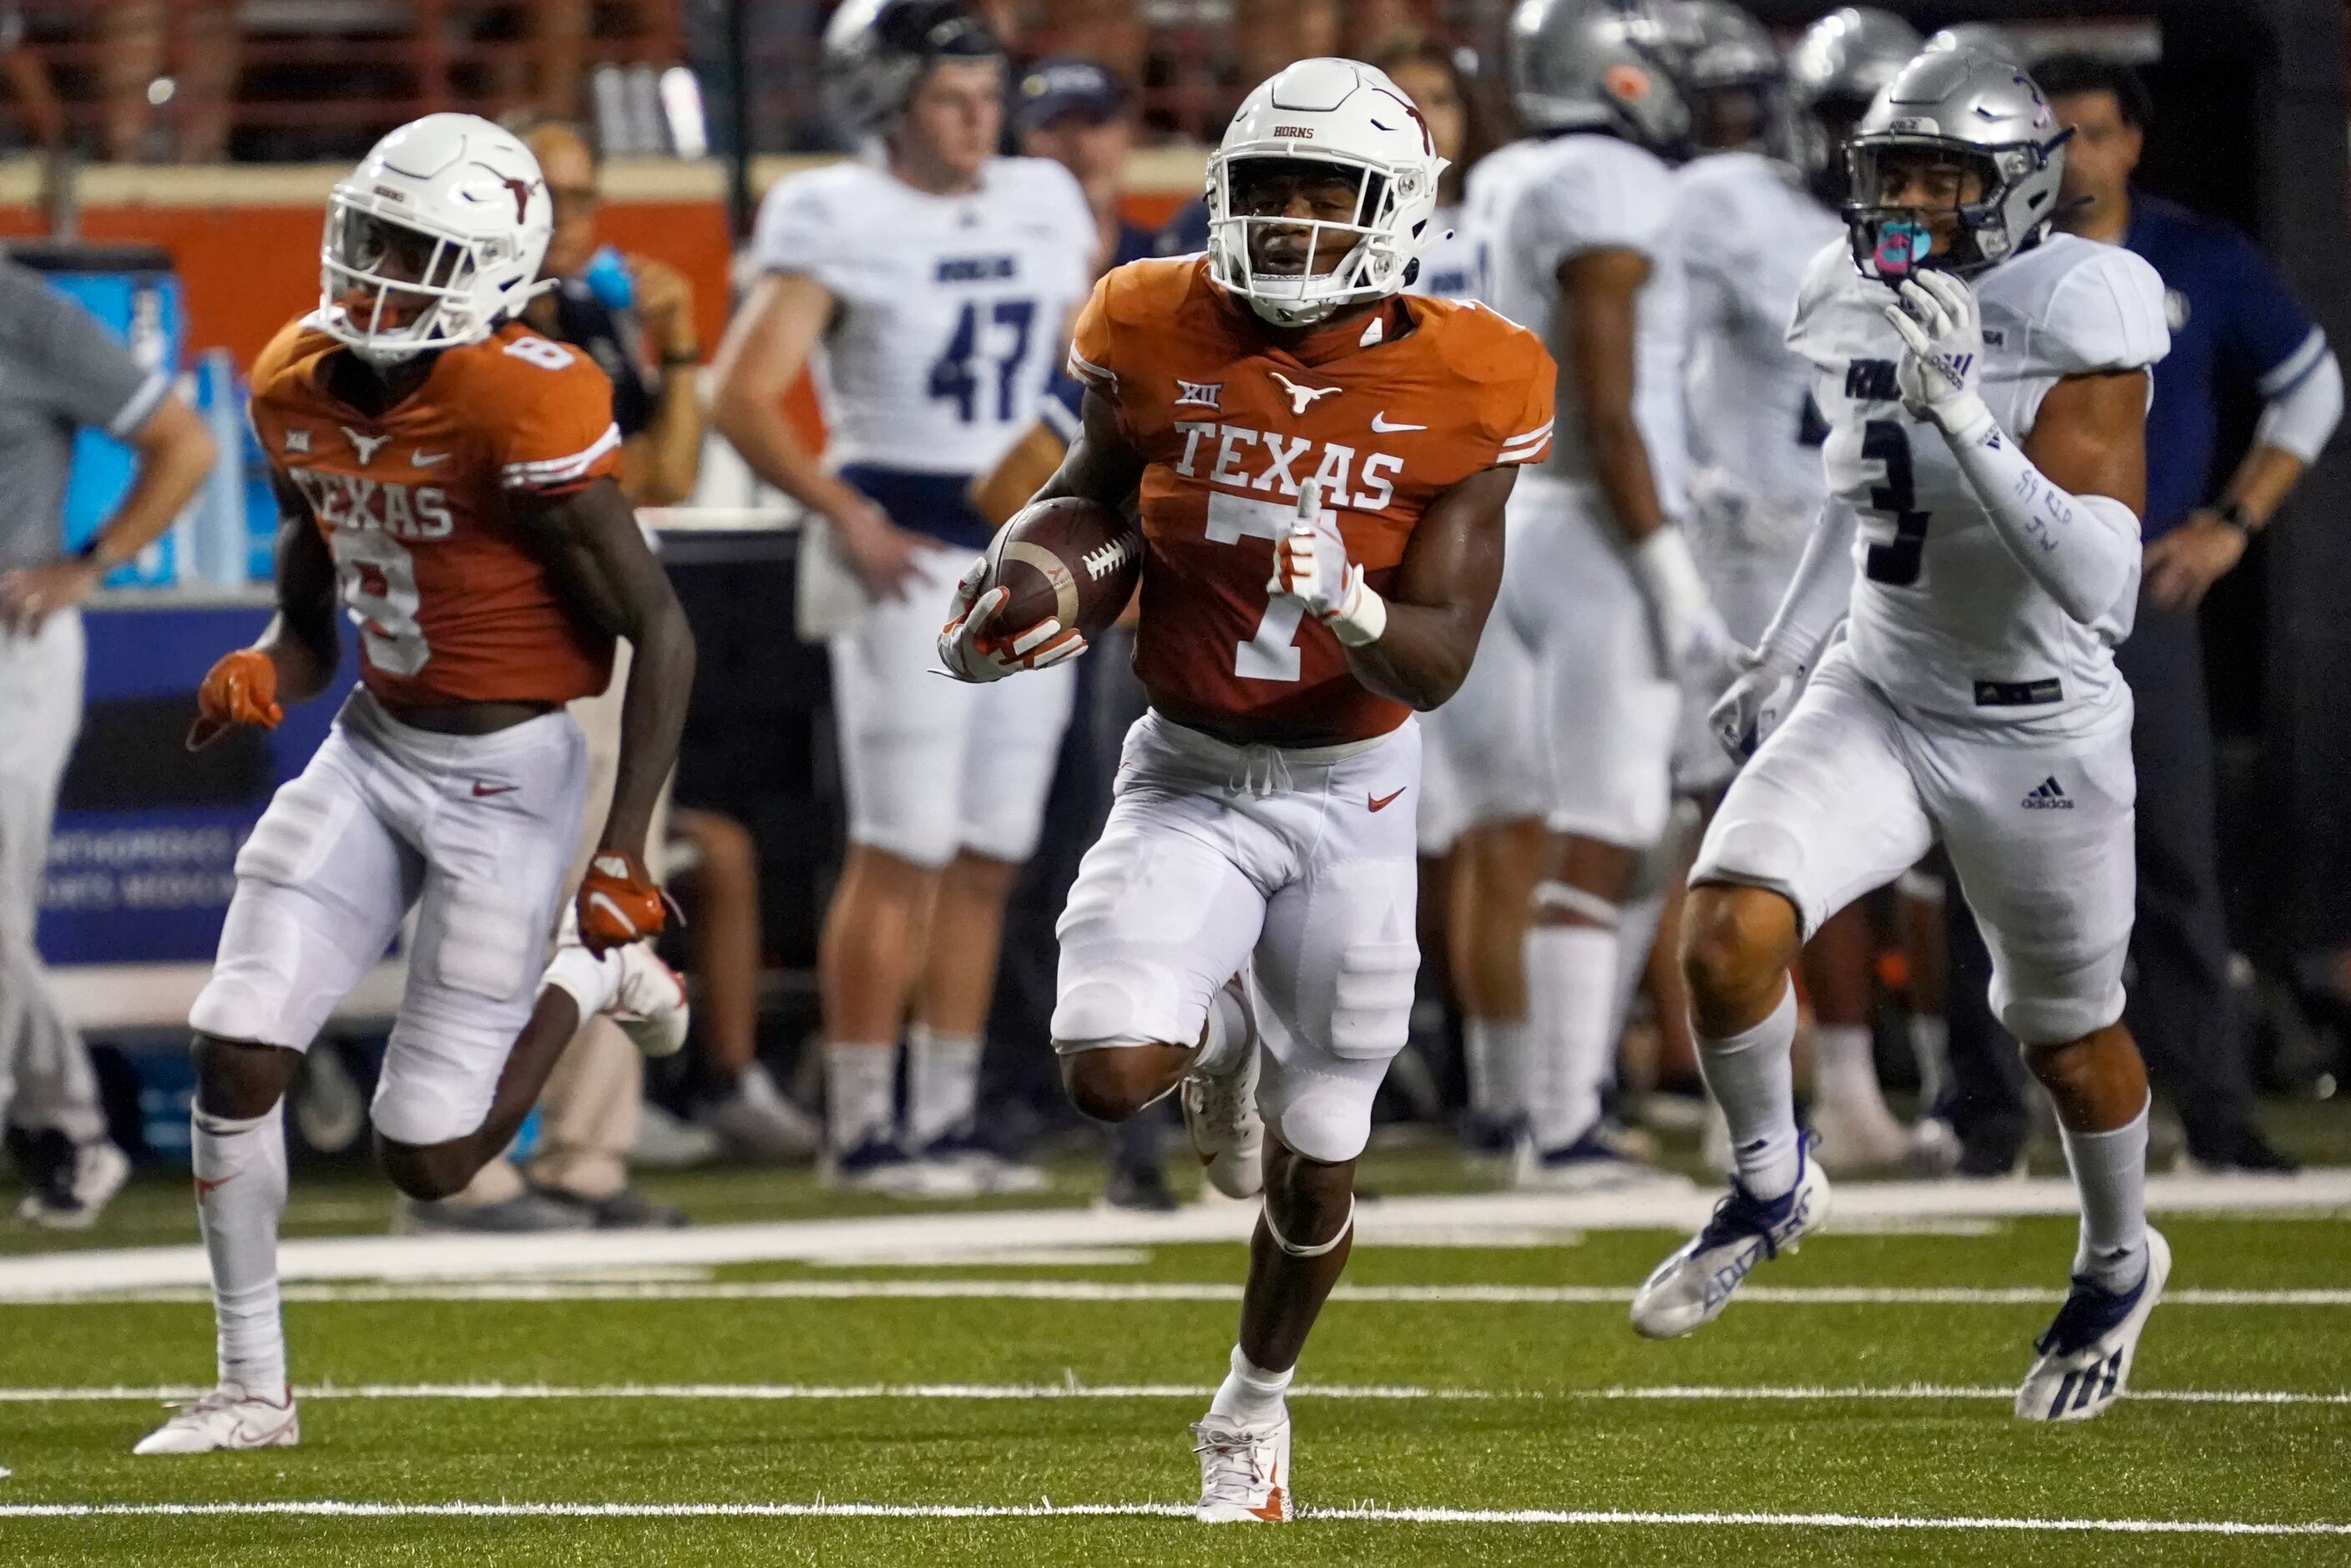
x=1637 y=933
x=1571 y=999
x=1250 y=1395
x=942 y=1085
x=2110 y=1173
x=861 y=1093
x=1227 y=1032
x=240 y=1170
x=1930 y=1044
x=588 y=979
x=1844 y=1065
x=1497 y=1053
x=1749 y=1076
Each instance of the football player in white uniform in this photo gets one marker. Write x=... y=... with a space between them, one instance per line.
x=1747 y=224
x=1602 y=592
x=1985 y=383
x=932 y=286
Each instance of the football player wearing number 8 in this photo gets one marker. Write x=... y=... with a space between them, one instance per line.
x=1319 y=462
x=1985 y=382
x=931 y=285
x=449 y=477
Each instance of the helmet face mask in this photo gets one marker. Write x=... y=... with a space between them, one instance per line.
x=1320 y=194
x=434 y=241
x=1956 y=166
x=1731 y=79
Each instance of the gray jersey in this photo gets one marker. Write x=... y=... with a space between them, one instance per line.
x=1537 y=203
x=60 y=368
x=1746 y=229
x=1944 y=620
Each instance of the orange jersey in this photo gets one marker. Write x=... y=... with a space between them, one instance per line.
x=1233 y=418
x=453 y=601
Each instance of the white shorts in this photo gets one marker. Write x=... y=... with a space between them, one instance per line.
x=1607 y=714
x=1481 y=761
x=935 y=766
x=476 y=830
x=1848 y=794
x=1292 y=867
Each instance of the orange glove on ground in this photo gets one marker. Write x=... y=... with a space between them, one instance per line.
x=242 y=688
x=620 y=903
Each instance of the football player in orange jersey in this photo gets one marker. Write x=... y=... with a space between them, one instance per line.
x=1321 y=463
x=449 y=476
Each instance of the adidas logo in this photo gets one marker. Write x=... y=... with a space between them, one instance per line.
x=2047 y=796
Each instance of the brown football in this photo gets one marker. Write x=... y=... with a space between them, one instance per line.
x=1071 y=560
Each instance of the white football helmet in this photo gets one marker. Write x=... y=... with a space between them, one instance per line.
x=433 y=240
x=1349 y=117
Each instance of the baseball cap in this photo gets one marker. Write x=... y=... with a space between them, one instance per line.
x=1062 y=85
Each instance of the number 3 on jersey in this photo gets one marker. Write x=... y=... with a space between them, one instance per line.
x=1896 y=562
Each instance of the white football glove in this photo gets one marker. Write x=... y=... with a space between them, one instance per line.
x=1685 y=629
x=1310 y=567
x=1756 y=703
x=1942 y=334
x=972 y=650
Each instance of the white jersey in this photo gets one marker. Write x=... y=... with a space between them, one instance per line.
x=1746 y=229
x=1944 y=620
x=1448 y=262
x=953 y=309
x=1536 y=204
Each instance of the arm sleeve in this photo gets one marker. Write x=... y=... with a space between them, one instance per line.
x=2083 y=550
x=1063 y=411
x=1819 y=595
x=62 y=356
x=2302 y=414
x=800 y=228
x=553 y=433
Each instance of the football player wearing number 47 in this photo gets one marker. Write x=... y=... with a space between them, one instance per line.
x=1321 y=463
x=1985 y=382
x=448 y=478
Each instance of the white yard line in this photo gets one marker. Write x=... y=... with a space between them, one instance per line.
x=945 y=1234
x=1118 y=1292
x=1047 y=1509
x=757 y=1391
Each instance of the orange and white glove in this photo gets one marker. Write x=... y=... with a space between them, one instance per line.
x=1311 y=568
x=620 y=903
x=241 y=688
x=972 y=651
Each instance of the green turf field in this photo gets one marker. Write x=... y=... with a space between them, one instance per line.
x=1854 y=1412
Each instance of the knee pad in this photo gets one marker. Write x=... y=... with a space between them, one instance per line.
x=1324 y=1115
x=1093 y=1014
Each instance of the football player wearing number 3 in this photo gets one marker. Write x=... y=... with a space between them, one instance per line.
x=1322 y=463
x=449 y=477
x=1985 y=382
x=930 y=284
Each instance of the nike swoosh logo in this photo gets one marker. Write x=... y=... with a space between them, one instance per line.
x=617 y=913
x=204 y=1188
x=422 y=459
x=1272 y=1509
x=1380 y=426
x=1382 y=802
x=484 y=791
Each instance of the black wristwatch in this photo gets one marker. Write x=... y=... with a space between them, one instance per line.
x=2235 y=514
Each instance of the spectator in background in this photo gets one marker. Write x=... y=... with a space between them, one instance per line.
x=633 y=315
x=2232 y=320
x=1076 y=112
x=143 y=78
x=28 y=82
x=60 y=370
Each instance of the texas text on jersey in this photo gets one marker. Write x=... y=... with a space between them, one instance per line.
x=1385 y=415
x=453 y=603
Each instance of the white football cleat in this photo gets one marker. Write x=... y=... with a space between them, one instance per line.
x=1695 y=1282
x=226 y=1418
x=2086 y=1351
x=1243 y=1472
x=72 y=1196
x=648 y=1001
x=989 y=1174
x=1220 y=1112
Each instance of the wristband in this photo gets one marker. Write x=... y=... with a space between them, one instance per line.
x=1362 y=620
x=2238 y=516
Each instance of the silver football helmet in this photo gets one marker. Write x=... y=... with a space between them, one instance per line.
x=1599 y=65
x=1836 y=70
x=876 y=52
x=1731 y=79
x=1985 y=38
x=1981 y=113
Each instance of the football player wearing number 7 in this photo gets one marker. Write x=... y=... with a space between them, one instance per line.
x=1320 y=463
x=449 y=479
x=1986 y=386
